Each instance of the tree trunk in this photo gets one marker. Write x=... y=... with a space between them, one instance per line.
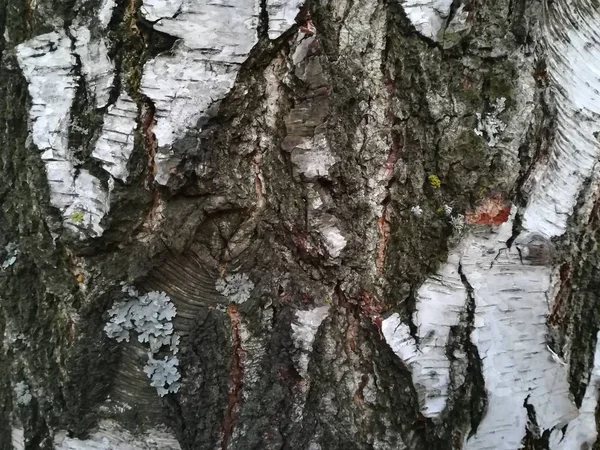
x=320 y=225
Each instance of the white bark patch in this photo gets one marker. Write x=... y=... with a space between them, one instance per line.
x=18 y=438
x=440 y=301
x=88 y=200
x=333 y=239
x=510 y=335
x=154 y=10
x=115 y=144
x=509 y=332
x=429 y=17
x=304 y=331
x=582 y=430
x=398 y=337
x=573 y=67
x=282 y=15
x=110 y=436
x=315 y=160
x=187 y=84
x=96 y=66
x=105 y=12
x=511 y=305
x=48 y=64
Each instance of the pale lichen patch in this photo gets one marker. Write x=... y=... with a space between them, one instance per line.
x=22 y=393
x=236 y=287
x=12 y=252
x=489 y=125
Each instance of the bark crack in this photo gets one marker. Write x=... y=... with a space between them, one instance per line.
x=235 y=377
x=478 y=400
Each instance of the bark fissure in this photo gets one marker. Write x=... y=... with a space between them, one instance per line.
x=475 y=381
x=235 y=381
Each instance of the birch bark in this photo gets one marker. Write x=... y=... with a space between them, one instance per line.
x=377 y=221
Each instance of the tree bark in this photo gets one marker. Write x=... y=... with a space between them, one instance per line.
x=377 y=221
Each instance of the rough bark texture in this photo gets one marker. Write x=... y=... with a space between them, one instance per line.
x=406 y=190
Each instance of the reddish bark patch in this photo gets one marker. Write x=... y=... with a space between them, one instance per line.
x=389 y=85
x=150 y=143
x=235 y=377
x=457 y=440
x=306 y=298
x=396 y=148
x=305 y=22
x=371 y=307
x=493 y=210
x=378 y=322
x=302 y=243
x=557 y=314
x=386 y=174
x=351 y=333
x=290 y=376
x=359 y=396
x=369 y=304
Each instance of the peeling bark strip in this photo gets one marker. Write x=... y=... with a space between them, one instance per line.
x=97 y=68
x=440 y=302
x=115 y=144
x=510 y=334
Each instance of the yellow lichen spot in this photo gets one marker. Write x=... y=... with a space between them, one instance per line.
x=482 y=192
x=434 y=181
x=440 y=210
x=77 y=217
x=79 y=278
x=328 y=301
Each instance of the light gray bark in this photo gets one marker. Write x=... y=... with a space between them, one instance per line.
x=376 y=220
